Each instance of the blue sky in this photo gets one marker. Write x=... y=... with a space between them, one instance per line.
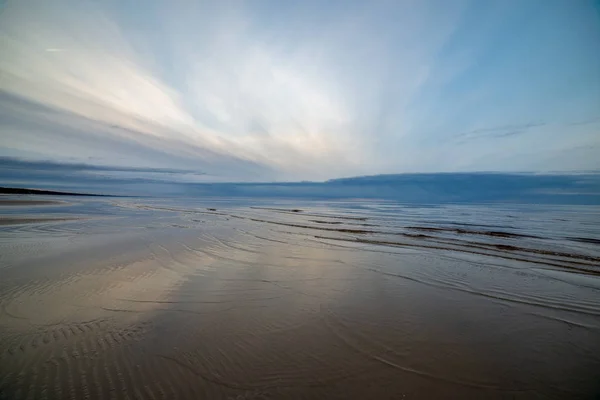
x=272 y=90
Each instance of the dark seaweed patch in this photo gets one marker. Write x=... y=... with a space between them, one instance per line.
x=471 y=232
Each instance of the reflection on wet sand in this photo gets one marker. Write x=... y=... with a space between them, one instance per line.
x=236 y=301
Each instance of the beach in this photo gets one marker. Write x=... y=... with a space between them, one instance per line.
x=190 y=298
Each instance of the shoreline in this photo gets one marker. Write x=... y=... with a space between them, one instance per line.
x=9 y=190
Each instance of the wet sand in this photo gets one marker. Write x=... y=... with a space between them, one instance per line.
x=190 y=299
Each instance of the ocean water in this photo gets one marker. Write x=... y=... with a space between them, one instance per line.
x=209 y=297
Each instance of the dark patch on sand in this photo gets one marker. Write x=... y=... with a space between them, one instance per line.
x=337 y=217
x=293 y=210
x=585 y=240
x=318 y=221
x=471 y=232
x=503 y=247
x=417 y=236
x=296 y=210
x=467 y=248
x=343 y=230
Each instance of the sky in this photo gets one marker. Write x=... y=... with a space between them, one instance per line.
x=302 y=90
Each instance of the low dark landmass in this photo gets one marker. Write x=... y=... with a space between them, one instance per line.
x=8 y=190
x=576 y=188
x=434 y=188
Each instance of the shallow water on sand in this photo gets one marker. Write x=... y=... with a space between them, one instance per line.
x=139 y=298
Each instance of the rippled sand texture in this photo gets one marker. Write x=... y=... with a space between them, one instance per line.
x=191 y=299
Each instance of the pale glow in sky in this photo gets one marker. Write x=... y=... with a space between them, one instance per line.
x=272 y=90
